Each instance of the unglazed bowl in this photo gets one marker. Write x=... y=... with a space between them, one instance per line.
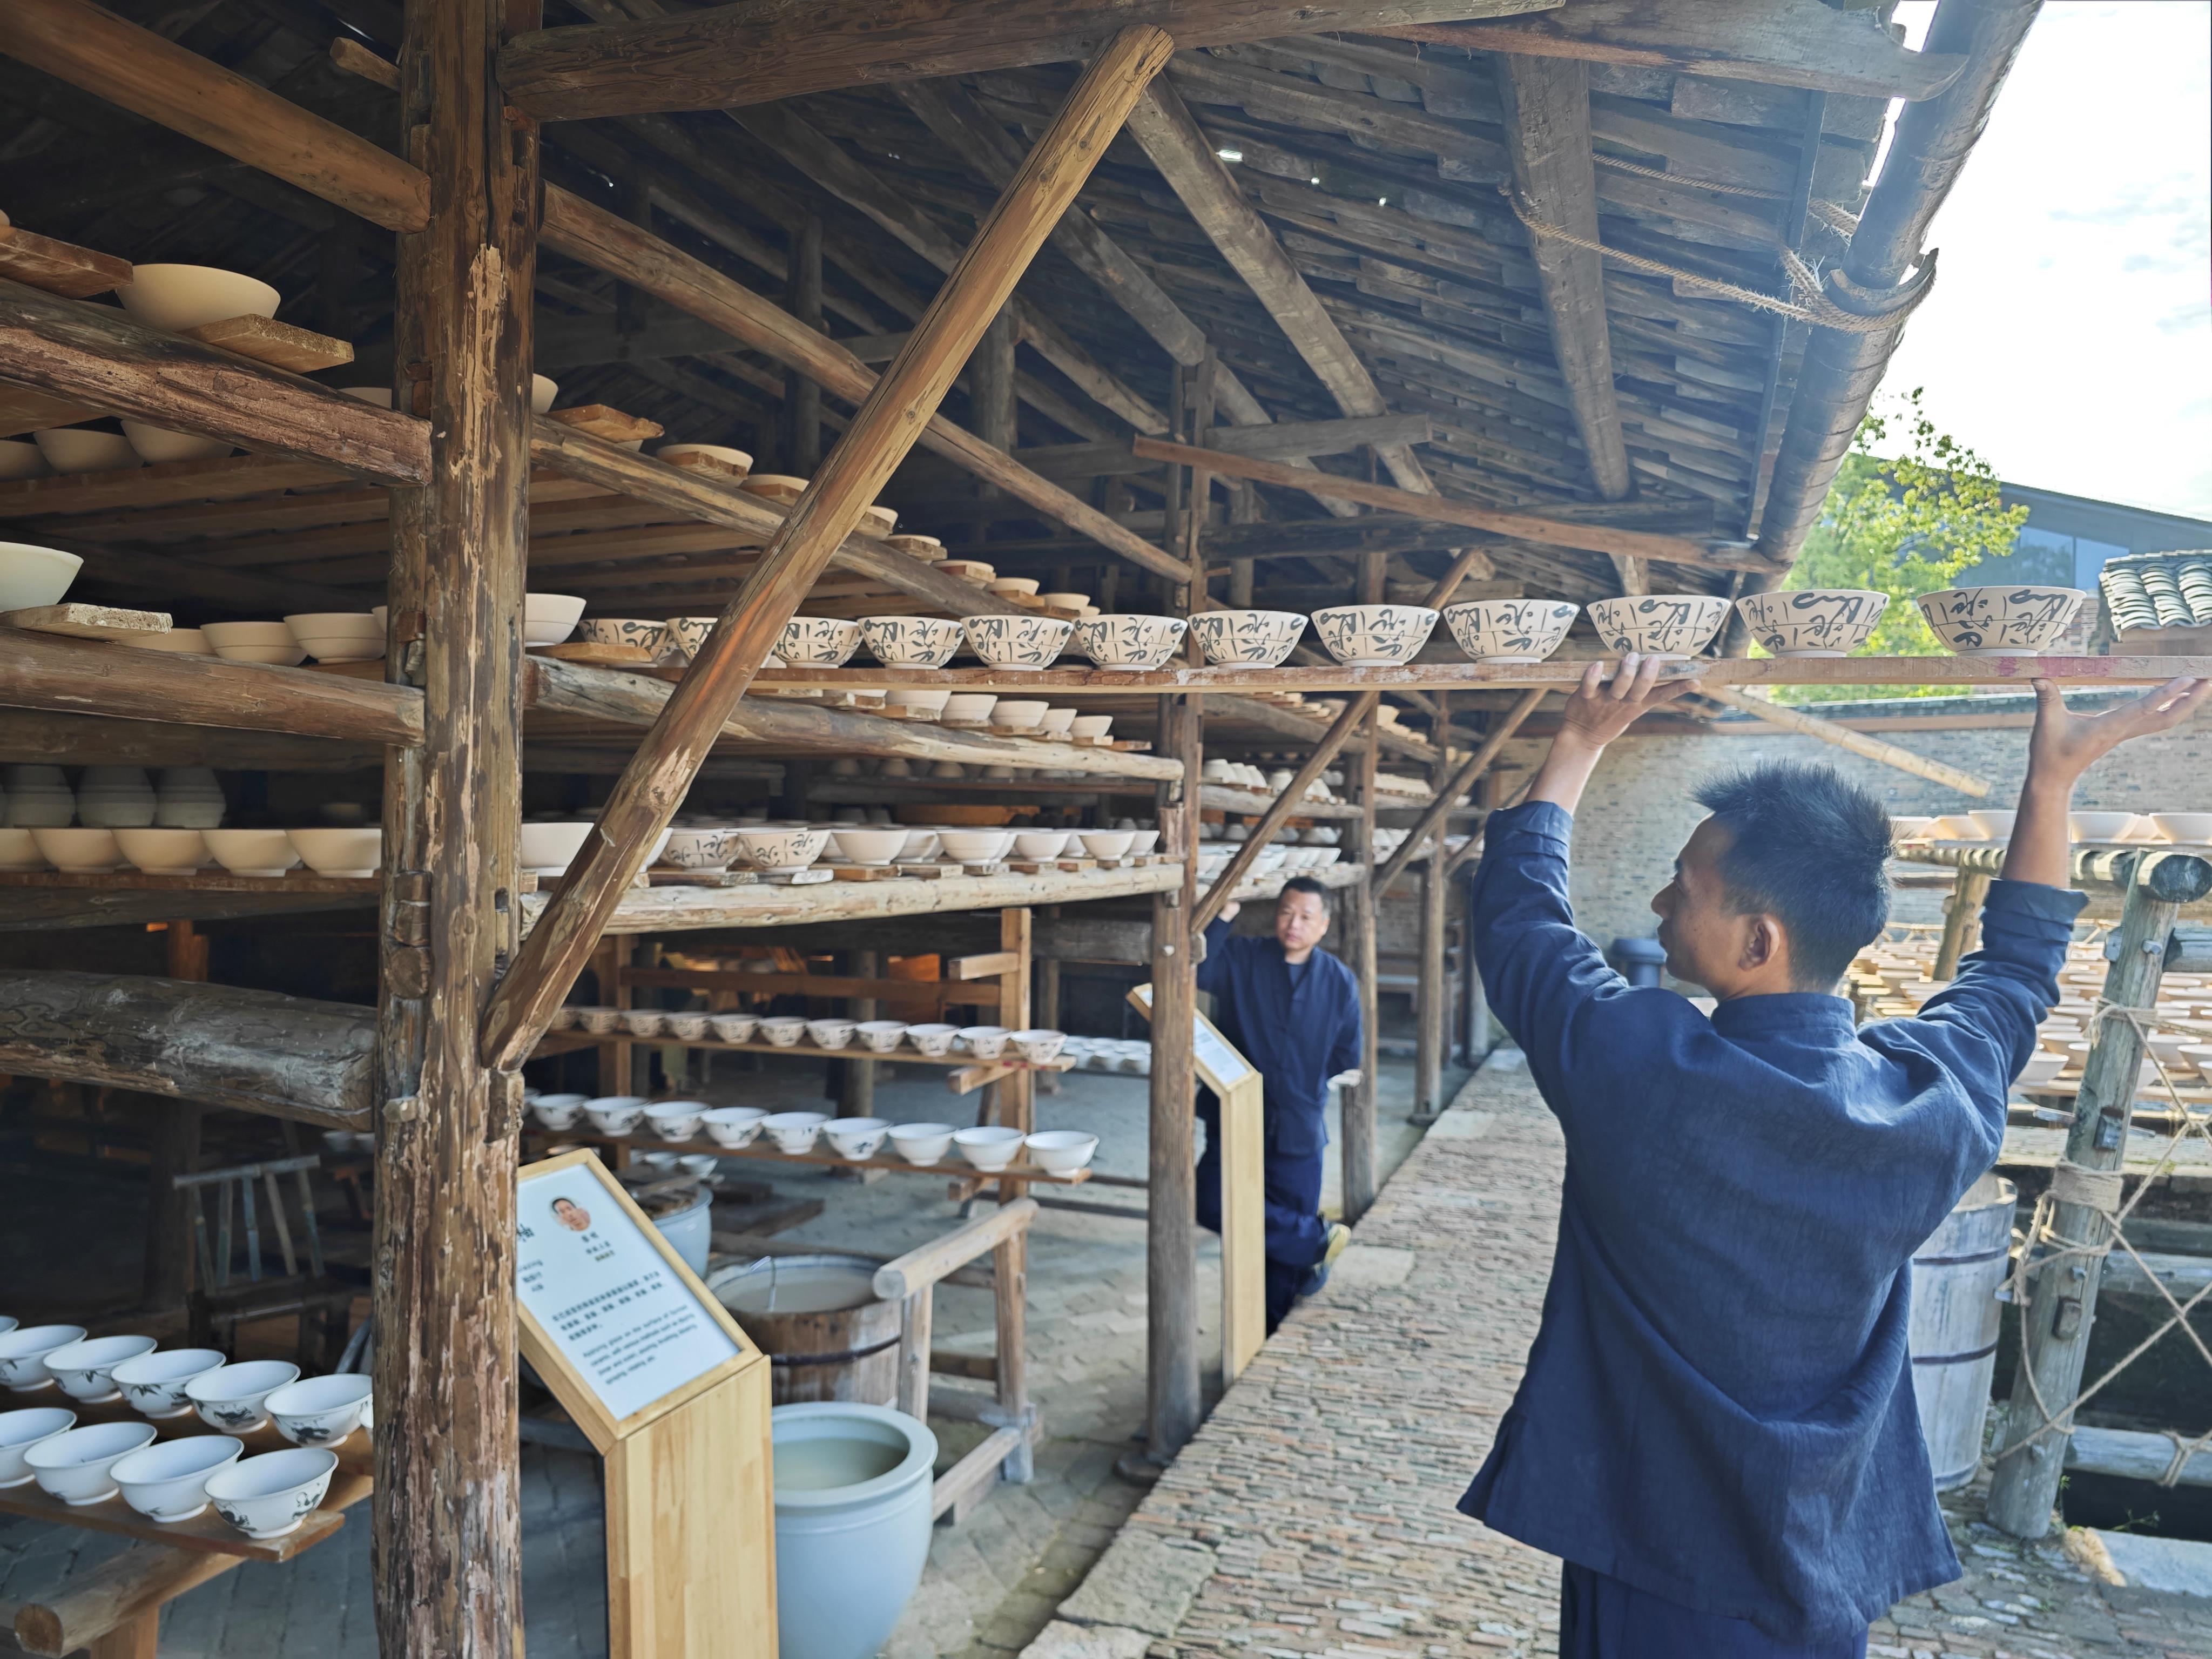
x=178 y=297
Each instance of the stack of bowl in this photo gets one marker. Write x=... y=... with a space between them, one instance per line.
x=115 y=798
x=83 y=449
x=38 y=797
x=188 y=798
x=254 y=641
x=339 y=635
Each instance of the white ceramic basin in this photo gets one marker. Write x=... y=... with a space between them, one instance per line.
x=32 y=575
x=178 y=297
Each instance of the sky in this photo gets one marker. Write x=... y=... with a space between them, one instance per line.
x=2069 y=338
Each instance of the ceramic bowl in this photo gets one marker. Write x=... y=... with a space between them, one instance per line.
x=32 y=575
x=735 y=458
x=1374 y=635
x=77 y=1465
x=1062 y=1152
x=1510 y=631
x=869 y=844
x=1811 y=622
x=2187 y=829
x=1910 y=829
x=164 y=852
x=988 y=1147
x=2095 y=826
x=547 y=849
x=919 y=547
x=1996 y=826
x=1090 y=726
x=2199 y=1054
x=598 y=1021
x=558 y=1111
x=830 y=1033
x=20 y=458
x=154 y=1383
x=230 y=1397
x=912 y=642
x=2000 y=622
x=641 y=1022
x=339 y=635
x=19 y=852
x=676 y=1119
x=975 y=845
x=1019 y=714
x=616 y=1115
x=687 y=1027
x=544 y=389
x=178 y=297
x=783 y=850
x=268 y=643
x=1107 y=843
x=76 y=449
x=23 y=1355
x=818 y=642
x=2043 y=1065
x=1017 y=643
x=969 y=708
x=157 y=445
x=179 y=642
x=1007 y=588
x=794 y=1132
x=733 y=1126
x=922 y=844
x=635 y=632
x=549 y=618
x=916 y=703
x=1144 y=841
x=1248 y=638
x=168 y=1481
x=86 y=1368
x=856 y=1138
x=20 y=1431
x=688 y=634
x=269 y=1496
x=1056 y=722
x=84 y=852
x=339 y=852
x=699 y=849
x=984 y=1041
x=1041 y=843
x=1039 y=1046
x=782 y=1030
x=1078 y=603
x=880 y=1036
x=932 y=1037
x=922 y=1143
x=1668 y=626
x=734 y=1028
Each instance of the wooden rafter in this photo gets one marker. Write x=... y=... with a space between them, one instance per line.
x=885 y=426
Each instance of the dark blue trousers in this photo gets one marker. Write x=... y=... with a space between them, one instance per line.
x=1294 y=1231
x=1601 y=1618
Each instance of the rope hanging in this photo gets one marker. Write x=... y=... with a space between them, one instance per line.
x=2100 y=1192
x=1831 y=214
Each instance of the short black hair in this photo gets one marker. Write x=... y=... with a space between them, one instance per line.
x=1307 y=885
x=1810 y=847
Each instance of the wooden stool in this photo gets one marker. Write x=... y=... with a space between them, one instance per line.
x=220 y=1302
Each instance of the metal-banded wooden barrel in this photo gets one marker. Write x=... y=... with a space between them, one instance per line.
x=827 y=1334
x=1956 y=1276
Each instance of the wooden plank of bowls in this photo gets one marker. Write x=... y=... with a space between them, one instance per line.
x=951 y=1164
x=207 y=1533
x=564 y=1041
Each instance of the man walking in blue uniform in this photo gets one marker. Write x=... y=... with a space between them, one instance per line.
x=1293 y=1010
x=1716 y=1429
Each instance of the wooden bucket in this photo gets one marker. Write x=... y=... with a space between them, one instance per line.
x=827 y=1334
x=1956 y=1275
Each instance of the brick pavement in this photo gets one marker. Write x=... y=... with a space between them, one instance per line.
x=1313 y=1514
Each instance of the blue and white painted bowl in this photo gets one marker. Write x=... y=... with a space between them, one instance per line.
x=912 y=642
x=1374 y=635
x=1510 y=630
x=1811 y=622
x=1248 y=638
x=1130 y=641
x=818 y=642
x=2001 y=622
x=1665 y=625
x=1018 y=642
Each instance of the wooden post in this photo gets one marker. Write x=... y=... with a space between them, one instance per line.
x=916 y=1314
x=1201 y=388
x=882 y=432
x=1009 y=1304
x=991 y=391
x=2063 y=1304
x=802 y=397
x=1170 y=1214
x=1360 y=915
x=176 y=1152
x=1432 y=998
x=1962 y=921
x=857 y=1098
x=447 y=1548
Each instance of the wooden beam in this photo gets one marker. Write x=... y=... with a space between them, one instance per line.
x=735 y=55
x=1548 y=134
x=1811 y=725
x=1282 y=439
x=97 y=356
x=26 y=738
x=1173 y=1403
x=90 y=676
x=885 y=426
x=1280 y=811
x=1185 y=157
x=1782 y=43
x=714 y=500
x=609 y=243
x=1558 y=533
x=217 y=1044
x=1359 y=1176
x=94 y=50
x=448 y=1548
x=1433 y=815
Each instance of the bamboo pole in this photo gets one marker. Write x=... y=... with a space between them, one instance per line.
x=884 y=429
x=1811 y=725
x=1452 y=788
x=1962 y=920
x=447 y=1548
x=1280 y=811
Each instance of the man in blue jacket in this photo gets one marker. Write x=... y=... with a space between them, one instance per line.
x=1293 y=1011
x=1716 y=1429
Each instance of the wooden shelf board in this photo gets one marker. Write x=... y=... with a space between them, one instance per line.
x=571 y=1039
x=204 y=881
x=208 y=1533
x=951 y=1164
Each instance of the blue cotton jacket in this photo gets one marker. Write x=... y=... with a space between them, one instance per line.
x=1298 y=1039
x=1718 y=1407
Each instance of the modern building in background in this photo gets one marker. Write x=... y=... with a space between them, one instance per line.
x=2068 y=538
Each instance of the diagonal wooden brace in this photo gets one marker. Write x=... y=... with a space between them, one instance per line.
x=1431 y=820
x=1280 y=810
x=884 y=429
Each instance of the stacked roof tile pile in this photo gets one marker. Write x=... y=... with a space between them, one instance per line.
x=2160 y=590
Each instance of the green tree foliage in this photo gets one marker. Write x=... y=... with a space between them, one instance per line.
x=1902 y=525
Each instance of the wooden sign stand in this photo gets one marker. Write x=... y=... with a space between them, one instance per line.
x=1238 y=1086
x=690 y=1521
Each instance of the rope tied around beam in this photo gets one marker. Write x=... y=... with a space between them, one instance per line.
x=2102 y=1192
x=1832 y=213
x=1868 y=310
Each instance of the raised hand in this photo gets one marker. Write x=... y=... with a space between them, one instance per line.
x=1597 y=713
x=2065 y=744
